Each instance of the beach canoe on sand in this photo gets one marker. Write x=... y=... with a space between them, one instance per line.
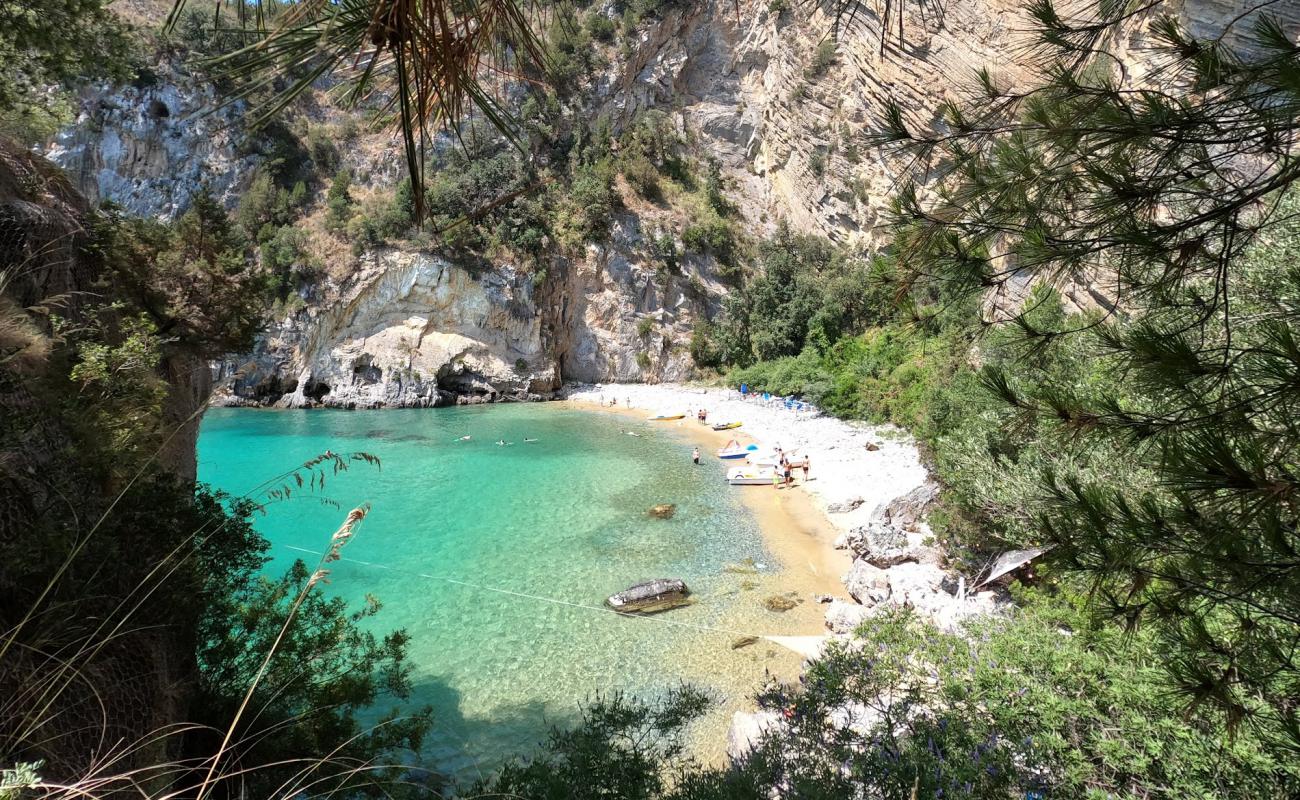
x=666 y=417
x=650 y=597
x=727 y=426
x=734 y=450
x=749 y=476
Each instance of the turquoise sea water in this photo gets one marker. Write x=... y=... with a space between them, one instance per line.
x=563 y=518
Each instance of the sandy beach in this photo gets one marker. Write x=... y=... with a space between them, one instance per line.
x=800 y=526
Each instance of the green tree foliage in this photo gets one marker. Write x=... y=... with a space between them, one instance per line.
x=194 y=278
x=622 y=749
x=570 y=56
x=338 y=201
x=1043 y=702
x=805 y=293
x=1144 y=192
x=325 y=673
x=55 y=45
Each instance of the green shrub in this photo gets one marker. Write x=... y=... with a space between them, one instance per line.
x=643 y=360
x=704 y=350
x=590 y=203
x=600 y=27
x=817 y=162
x=338 y=201
x=644 y=327
x=822 y=59
x=710 y=234
x=642 y=176
x=324 y=153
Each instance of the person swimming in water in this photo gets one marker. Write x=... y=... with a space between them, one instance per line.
x=526 y=439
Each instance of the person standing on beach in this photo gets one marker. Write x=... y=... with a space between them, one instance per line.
x=695 y=455
x=807 y=469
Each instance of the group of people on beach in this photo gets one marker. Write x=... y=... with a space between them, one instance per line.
x=783 y=475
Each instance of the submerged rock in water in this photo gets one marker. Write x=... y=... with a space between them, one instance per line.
x=780 y=602
x=651 y=597
x=743 y=641
x=663 y=511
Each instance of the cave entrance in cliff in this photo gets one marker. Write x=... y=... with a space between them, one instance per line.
x=316 y=390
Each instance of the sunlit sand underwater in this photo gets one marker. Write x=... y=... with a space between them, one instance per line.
x=561 y=519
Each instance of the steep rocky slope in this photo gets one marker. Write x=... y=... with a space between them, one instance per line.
x=784 y=101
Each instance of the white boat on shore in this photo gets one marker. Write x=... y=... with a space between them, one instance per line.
x=735 y=450
x=750 y=476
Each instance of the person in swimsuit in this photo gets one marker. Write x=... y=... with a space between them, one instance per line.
x=695 y=455
x=807 y=468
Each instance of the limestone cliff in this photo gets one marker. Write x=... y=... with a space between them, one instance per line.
x=409 y=329
x=784 y=100
x=149 y=147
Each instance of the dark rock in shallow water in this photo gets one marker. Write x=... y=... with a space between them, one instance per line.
x=781 y=602
x=663 y=511
x=651 y=597
x=743 y=641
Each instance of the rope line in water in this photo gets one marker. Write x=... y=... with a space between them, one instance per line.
x=539 y=598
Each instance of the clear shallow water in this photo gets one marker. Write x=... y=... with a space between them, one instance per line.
x=562 y=518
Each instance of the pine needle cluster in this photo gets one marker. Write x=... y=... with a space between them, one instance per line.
x=1168 y=192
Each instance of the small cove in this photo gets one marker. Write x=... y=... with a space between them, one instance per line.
x=561 y=518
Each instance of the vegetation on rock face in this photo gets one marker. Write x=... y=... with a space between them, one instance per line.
x=46 y=48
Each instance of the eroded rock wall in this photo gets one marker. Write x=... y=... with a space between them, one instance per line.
x=746 y=86
x=409 y=329
x=149 y=148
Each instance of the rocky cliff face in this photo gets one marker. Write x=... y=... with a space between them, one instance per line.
x=791 y=126
x=409 y=329
x=784 y=101
x=148 y=148
x=412 y=329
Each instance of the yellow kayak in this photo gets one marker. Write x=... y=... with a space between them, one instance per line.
x=666 y=417
x=727 y=426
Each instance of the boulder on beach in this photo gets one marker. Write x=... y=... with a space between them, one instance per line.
x=906 y=510
x=882 y=545
x=844 y=506
x=663 y=511
x=867 y=582
x=780 y=602
x=918 y=585
x=843 y=616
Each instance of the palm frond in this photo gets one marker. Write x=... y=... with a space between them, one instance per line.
x=432 y=62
